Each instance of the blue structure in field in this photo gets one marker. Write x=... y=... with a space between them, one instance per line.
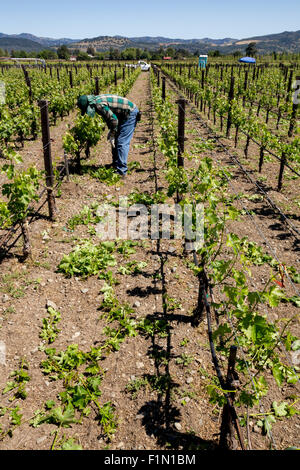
x=248 y=60
x=202 y=61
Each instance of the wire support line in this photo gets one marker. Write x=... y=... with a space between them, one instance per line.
x=267 y=243
x=234 y=416
x=253 y=221
x=257 y=143
x=260 y=189
x=12 y=230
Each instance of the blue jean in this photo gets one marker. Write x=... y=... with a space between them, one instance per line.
x=125 y=133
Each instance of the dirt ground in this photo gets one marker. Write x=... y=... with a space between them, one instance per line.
x=179 y=416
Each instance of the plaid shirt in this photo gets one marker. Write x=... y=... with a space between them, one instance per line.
x=112 y=108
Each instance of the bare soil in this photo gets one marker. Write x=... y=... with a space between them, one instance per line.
x=181 y=416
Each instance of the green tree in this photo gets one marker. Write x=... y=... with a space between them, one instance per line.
x=90 y=50
x=83 y=56
x=251 y=49
x=180 y=54
x=22 y=54
x=129 y=54
x=146 y=55
x=114 y=54
x=237 y=54
x=156 y=55
x=161 y=52
x=170 y=52
x=138 y=53
x=47 y=55
x=99 y=55
x=63 y=52
x=214 y=53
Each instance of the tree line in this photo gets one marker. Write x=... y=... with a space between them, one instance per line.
x=136 y=53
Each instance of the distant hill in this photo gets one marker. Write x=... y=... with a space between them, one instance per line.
x=288 y=41
x=18 y=44
x=281 y=42
x=44 y=41
x=167 y=41
x=104 y=43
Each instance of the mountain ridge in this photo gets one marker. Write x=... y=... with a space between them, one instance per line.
x=287 y=41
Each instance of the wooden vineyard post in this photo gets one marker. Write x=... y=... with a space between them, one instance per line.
x=26 y=240
x=289 y=85
x=97 y=85
x=281 y=170
x=71 y=78
x=123 y=73
x=66 y=161
x=47 y=157
x=163 y=88
x=278 y=94
x=181 y=128
x=230 y=98
x=180 y=135
x=203 y=287
x=28 y=83
x=293 y=120
x=247 y=146
x=261 y=158
x=206 y=71
x=278 y=119
x=258 y=108
x=245 y=87
x=227 y=436
x=116 y=78
x=158 y=78
x=236 y=136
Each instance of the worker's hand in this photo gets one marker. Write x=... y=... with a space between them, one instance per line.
x=111 y=137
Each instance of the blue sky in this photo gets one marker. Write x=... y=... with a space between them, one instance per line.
x=170 y=18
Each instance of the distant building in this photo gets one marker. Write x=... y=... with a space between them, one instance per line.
x=167 y=58
x=73 y=59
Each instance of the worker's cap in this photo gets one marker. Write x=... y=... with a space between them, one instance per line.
x=84 y=106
